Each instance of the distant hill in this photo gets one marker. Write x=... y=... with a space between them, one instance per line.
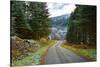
x=59 y=27
x=59 y=21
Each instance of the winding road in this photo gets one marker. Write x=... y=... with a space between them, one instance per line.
x=56 y=55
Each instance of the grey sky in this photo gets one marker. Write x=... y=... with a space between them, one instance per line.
x=57 y=9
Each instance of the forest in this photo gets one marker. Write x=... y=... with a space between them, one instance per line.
x=31 y=27
x=30 y=19
x=82 y=25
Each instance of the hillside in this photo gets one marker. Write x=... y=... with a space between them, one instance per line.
x=59 y=21
x=59 y=27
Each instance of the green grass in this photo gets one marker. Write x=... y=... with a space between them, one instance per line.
x=34 y=58
x=89 y=53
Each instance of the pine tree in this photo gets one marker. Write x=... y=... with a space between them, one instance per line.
x=32 y=20
x=82 y=25
x=17 y=16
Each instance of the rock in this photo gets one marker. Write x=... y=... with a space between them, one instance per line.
x=23 y=47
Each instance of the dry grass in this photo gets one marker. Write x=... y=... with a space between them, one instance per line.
x=86 y=51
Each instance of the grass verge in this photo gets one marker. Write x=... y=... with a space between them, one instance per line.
x=33 y=58
x=89 y=53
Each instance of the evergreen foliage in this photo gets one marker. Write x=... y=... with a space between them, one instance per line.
x=82 y=25
x=29 y=19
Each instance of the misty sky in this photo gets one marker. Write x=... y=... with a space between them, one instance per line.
x=57 y=9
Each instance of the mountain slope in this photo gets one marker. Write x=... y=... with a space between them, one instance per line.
x=59 y=27
x=59 y=21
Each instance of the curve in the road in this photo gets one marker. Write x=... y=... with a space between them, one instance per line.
x=57 y=54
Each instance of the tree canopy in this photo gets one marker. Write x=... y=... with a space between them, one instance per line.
x=82 y=25
x=29 y=19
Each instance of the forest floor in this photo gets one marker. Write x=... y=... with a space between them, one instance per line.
x=86 y=51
